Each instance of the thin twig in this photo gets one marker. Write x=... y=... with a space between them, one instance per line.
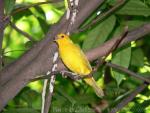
x=125 y=70
x=122 y=36
x=13 y=51
x=33 y=5
x=22 y=32
x=65 y=74
x=102 y=16
x=126 y=100
x=44 y=76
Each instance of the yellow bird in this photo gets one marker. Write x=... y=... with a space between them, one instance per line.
x=74 y=58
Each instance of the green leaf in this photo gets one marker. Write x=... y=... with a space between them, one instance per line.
x=69 y=98
x=89 y=19
x=43 y=24
x=134 y=7
x=9 y=5
x=99 y=33
x=137 y=58
x=111 y=2
x=29 y=44
x=94 y=15
x=29 y=98
x=121 y=58
x=132 y=24
x=118 y=31
x=40 y=15
x=38 y=12
x=148 y=2
x=21 y=14
x=140 y=106
x=85 y=99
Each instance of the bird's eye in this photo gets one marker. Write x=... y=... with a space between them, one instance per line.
x=62 y=36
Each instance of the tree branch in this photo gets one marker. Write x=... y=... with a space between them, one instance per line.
x=125 y=70
x=126 y=100
x=131 y=36
x=21 y=32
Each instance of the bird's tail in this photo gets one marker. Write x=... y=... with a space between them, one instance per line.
x=98 y=90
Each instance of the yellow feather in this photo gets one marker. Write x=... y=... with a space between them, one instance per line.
x=74 y=58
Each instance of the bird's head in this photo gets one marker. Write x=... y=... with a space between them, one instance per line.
x=62 y=38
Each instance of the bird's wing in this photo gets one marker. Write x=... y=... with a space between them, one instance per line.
x=82 y=56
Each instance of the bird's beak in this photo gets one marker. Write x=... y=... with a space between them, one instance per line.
x=55 y=39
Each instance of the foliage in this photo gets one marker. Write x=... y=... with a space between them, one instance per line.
x=71 y=96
